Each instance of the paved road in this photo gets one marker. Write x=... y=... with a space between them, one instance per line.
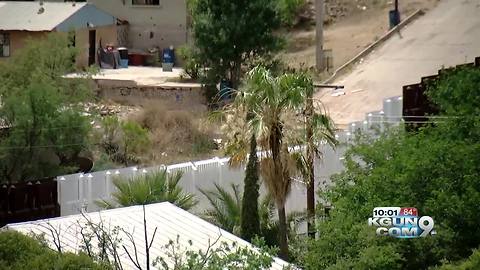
x=446 y=36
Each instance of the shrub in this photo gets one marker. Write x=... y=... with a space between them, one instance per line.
x=19 y=251
x=289 y=9
x=146 y=188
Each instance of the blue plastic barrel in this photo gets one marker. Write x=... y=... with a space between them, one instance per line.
x=394 y=18
x=168 y=56
x=124 y=63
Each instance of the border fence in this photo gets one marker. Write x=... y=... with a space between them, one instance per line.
x=77 y=192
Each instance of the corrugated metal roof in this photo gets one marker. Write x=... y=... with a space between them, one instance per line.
x=28 y=16
x=170 y=221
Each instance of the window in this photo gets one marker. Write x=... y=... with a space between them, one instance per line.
x=4 y=45
x=146 y=2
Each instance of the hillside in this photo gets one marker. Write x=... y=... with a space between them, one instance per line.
x=351 y=25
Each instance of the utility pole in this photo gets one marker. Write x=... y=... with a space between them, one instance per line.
x=319 y=10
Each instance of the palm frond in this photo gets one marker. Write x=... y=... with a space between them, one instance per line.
x=226 y=207
x=154 y=187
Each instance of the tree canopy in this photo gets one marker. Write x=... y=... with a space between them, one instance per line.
x=435 y=170
x=43 y=129
x=227 y=33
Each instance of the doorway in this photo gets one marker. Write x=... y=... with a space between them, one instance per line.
x=92 y=38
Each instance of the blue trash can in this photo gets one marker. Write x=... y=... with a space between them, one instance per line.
x=168 y=56
x=394 y=18
x=123 y=57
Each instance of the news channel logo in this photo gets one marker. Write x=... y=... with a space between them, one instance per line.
x=401 y=222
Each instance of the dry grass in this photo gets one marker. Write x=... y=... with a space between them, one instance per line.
x=176 y=135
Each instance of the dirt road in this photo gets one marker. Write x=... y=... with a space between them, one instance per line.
x=446 y=36
x=351 y=33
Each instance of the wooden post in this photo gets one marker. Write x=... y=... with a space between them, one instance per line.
x=319 y=10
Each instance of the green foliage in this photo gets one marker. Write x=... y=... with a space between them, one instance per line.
x=275 y=106
x=45 y=130
x=472 y=263
x=18 y=251
x=123 y=141
x=134 y=141
x=50 y=59
x=250 y=220
x=226 y=207
x=456 y=94
x=435 y=170
x=146 y=188
x=289 y=9
x=226 y=212
x=191 y=61
x=219 y=256
x=227 y=33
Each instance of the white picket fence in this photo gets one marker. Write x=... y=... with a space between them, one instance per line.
x=80 y=191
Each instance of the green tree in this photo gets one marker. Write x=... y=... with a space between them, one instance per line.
x=228 y=33
x=472 y=263
x=146 y=188
x=250 y=220
x=435 y=170
x=226 y=212
x=44 y=129
x=18 y=251
x=275 y=105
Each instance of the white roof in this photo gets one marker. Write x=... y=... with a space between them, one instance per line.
x=26 y=15
x=171 y=221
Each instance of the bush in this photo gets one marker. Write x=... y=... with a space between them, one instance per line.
x=16 y=247
x=175 y=133
x=146 y=188
x=472 y=263
x=435 y=170
x=289 y=9
x=124 y=141
x=191 y=61
x=19 y=251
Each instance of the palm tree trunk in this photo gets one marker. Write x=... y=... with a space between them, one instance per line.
x=310 y=167
x=282 y=234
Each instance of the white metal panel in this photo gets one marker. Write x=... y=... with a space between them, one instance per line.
x=29 y=16
x=169 y=220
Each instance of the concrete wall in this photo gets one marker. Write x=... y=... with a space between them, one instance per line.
x=108 y=35
x=150 y=26
x=18 y=40
x=128 y=91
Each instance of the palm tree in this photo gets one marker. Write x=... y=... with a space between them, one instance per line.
x=276 y=118
x=226 y=209
x=146 y=188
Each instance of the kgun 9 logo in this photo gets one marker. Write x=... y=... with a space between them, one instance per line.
x=401 y=222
